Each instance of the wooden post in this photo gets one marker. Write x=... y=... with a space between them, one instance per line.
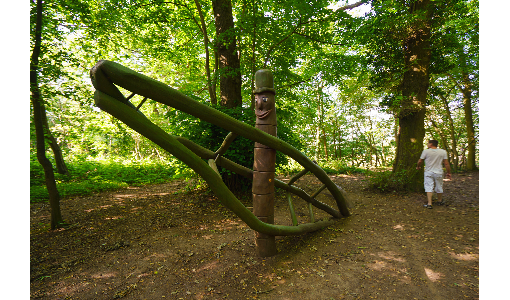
x=264 y=161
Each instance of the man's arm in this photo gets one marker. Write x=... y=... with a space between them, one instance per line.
x=448 y=171
x=420 y=162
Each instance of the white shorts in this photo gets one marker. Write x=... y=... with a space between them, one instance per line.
x=432 y=179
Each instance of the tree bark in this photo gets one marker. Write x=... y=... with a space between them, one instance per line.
x=415 y=83
x=324 y=142
x=371 y=141
x=228 y=57
x=468 y=114
x=203 y=28
x=468 y=111
x=317 y=143
x=451 y=127
x=253 y=57
x=39 y=117
x=52 y=141
x=336 y=141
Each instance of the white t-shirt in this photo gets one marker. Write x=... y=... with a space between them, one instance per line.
x=434 y=159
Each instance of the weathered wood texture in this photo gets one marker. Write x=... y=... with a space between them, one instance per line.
x=107 y=97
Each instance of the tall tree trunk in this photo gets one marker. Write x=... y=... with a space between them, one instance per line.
x=414 y=87
x=317 y=143
x=253 y=57
x=371 y=141
x=39 y=117
x=451 y=127
x=203 y=28
x=52 y=141
x=324 y=141
x=383 y=157
x=228 y=58
x=467 y=91
x=320 y=109
x=227 y=68
x=468 y=111
x=335 y=139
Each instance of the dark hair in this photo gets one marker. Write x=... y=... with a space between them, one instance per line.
x=434 y=143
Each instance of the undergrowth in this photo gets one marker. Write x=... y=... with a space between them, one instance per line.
x=388 y=181
x=91 y=175
x=87 y=176
x=331 y=167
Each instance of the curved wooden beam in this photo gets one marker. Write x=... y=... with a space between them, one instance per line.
x=106 y=73
x=148 y=129
x=248 y=173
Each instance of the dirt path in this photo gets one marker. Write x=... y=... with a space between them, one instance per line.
x=163 y=242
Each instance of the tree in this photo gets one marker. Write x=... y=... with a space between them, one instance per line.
x=40 y=120
x=415 y=83
x=211 y=85
x=49 y=137
x=468 y=111
x=465 y=73
x=406 y=43
x=209 y=50
x=227 y=54
x=440 y=116
x=457 y=52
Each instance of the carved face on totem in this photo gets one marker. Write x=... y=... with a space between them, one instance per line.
x=265 y=108
x=264 y=98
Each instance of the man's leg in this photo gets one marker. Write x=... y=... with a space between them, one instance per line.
x=438 y=178
x=429 y=198
x=439 y=197
x=429 y=187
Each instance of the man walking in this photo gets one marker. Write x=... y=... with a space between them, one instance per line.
x=434 y=157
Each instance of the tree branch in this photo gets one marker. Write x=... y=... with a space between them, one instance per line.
x=212 y=91
x=318 y=41
x=163 y=2
x=346 y=7
x=351 y=6
x=455 y=82
x=281 y=41
x=300 y=23
x=294 y=84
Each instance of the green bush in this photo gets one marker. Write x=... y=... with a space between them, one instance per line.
x=349 y=170
x=211 y=137
x=36 y=172
x=330 y=167
x=340 y=167
x=87 y=176
x=388 y=181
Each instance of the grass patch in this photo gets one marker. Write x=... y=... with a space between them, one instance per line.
x=87 y=176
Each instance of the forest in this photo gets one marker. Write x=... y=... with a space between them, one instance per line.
x=341 y=73
x=361 y=87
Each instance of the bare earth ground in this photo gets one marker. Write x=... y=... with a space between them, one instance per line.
x=160 y=241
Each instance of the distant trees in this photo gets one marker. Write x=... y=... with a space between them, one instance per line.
x=357 y=90
x=415 y=42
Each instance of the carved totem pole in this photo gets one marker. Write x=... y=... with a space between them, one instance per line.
x=264 y=161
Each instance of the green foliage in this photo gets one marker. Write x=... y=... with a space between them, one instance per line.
x=90 y=175
x=340 y=167
x=389 y=182
x=330 y=167
x=324 y=63
x=211 y=137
